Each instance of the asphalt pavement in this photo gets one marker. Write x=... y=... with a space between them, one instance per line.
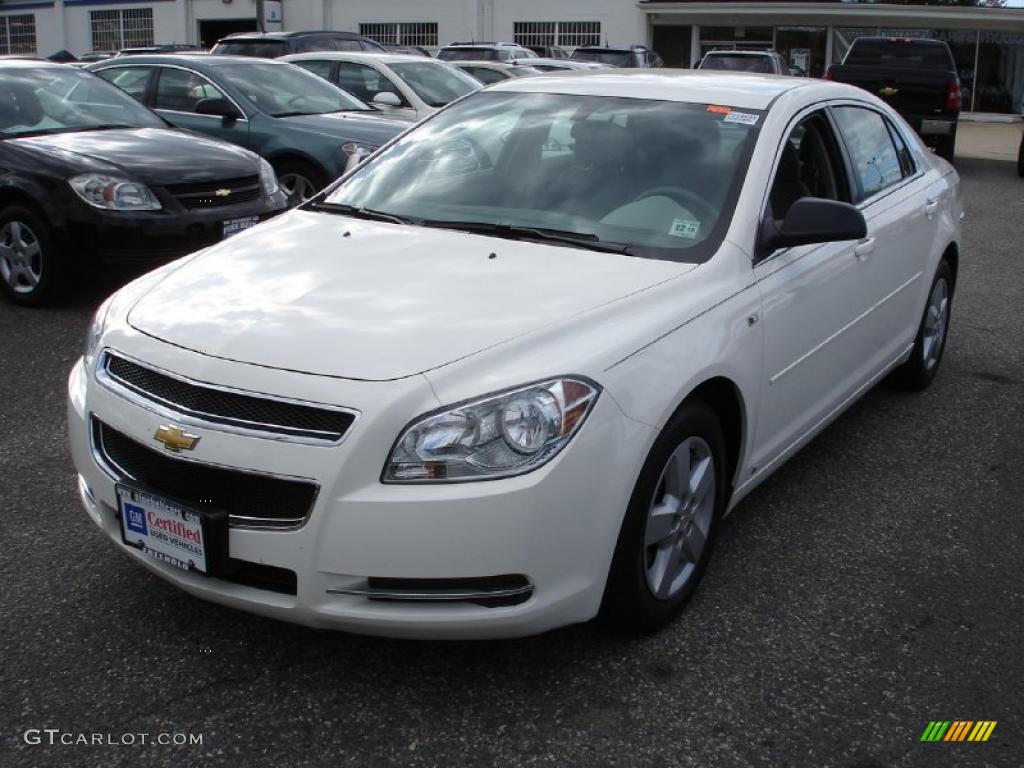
x=874 y=584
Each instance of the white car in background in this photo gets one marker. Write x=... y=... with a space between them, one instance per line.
x=511 y=372
x=400 y=85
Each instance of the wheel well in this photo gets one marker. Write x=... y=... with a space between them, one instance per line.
x=952 y=256
x=725 y=400
x=10 y=197
x=292 y=157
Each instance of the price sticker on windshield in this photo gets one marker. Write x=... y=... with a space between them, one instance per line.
x=741 y=117
x=685 y=228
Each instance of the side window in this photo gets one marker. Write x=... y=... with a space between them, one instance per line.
x=322 y=68
x=872 y=153
x=181 y=90
x=486 y=76
x=132 y=80
x=902 y=152
x=364 y=82
x=810 y=165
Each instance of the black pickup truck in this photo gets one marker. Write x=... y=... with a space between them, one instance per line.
x=917 y=77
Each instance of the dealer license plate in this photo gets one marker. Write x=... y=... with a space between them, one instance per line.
x=234 y=226
x=163 y=529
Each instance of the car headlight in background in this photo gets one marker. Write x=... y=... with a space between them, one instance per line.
x=114 y=194
x=268 y=178
x=500 y=435
x=356 y=153
x=92 y=336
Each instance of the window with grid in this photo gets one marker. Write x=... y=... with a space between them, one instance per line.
x=18 y=34
x=571 y=34
x=422 y=33
x=122 y=28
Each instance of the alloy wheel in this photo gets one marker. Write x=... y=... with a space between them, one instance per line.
x=297 y=187
x=935 y=324
x=21 y=257
x=679 y=518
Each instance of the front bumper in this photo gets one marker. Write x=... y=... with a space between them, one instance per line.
x=123 y=237
x=556 y=527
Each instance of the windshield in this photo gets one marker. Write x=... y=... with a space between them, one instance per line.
x=472 y=54
x=733 y=62
x=58 y=99
x=436 y=83
x=657 y=178
x=281 y=90
x=264 y=49
x=611 y=58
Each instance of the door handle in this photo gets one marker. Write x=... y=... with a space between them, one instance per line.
x=864 y=248
x=930 y=208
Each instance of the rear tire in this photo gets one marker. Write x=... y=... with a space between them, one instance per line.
x=666 y=537
x=1020 y=158
x=33 y=270
x=930 y=344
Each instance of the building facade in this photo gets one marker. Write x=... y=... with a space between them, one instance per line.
x=987 y=43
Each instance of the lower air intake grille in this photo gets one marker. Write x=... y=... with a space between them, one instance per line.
x=251 y=500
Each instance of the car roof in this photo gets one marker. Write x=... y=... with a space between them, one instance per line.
x=189 y=59
x=745 y=90
x=384 y=58
x=485 y=63
x=288 y=35
x=612 y=48
x=741 y=53
x=28 y=63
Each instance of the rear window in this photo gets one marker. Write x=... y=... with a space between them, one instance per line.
x=472 y=54
x=901 y=53
x=737 y=63
x=265 y=49
x=612 y=58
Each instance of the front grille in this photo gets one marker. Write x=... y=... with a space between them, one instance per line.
x=213 y=194
x=251 y=499
x=217 y=406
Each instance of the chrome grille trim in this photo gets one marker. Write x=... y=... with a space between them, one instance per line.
x=185 y=415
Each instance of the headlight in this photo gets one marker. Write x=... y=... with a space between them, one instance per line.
x=92 y=336
x=114 y=194
x=356 y=149
x=268 y=178
x=496 y=436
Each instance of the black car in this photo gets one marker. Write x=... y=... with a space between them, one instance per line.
x=270 y=45
x=917 y=77
x=88 y=175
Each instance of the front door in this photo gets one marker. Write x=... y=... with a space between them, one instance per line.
x=176 y=95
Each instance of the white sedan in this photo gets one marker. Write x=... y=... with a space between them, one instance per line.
x=400 y=85
x=510 y=373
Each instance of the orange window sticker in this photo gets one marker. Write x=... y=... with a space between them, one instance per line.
x=719 y=110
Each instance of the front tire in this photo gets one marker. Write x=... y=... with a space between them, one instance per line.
x=299 y=180
x=930 y=344
x=32 y=269
x=666 y=537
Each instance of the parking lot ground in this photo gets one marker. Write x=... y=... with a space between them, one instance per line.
x=874 y=584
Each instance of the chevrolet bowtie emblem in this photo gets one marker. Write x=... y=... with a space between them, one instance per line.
x=888 y=91
x=222 y=192
x=175 y=439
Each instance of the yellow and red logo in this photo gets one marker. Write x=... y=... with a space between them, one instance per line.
x=958 y=730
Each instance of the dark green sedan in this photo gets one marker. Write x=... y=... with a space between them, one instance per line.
x=307 y=128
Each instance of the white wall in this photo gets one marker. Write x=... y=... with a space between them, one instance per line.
x=456 y=19
x=622 y=23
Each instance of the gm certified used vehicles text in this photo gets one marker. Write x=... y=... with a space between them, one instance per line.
x=916 y=77
x=306 y=128
x=533 y=350
x=89 y=176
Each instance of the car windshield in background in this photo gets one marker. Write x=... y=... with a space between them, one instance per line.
x=435 y=83
x=57 y=99
x=264 y=49
x=469 y=54
x=900 y=53
x=650 y=178
x=283 y=91
x=738 y=63
x=611 y=58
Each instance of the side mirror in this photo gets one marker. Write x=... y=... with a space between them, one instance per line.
x=813 y=220
x=387 y=99
x=218 y=108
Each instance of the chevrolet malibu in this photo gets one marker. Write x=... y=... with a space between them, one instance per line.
x=532 y=352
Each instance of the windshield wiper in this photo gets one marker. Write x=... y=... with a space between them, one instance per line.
x=358 y=212
x=569 y=237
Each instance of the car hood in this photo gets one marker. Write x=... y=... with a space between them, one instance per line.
x=371 y=127
x=151 y=155
x=356 y=299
